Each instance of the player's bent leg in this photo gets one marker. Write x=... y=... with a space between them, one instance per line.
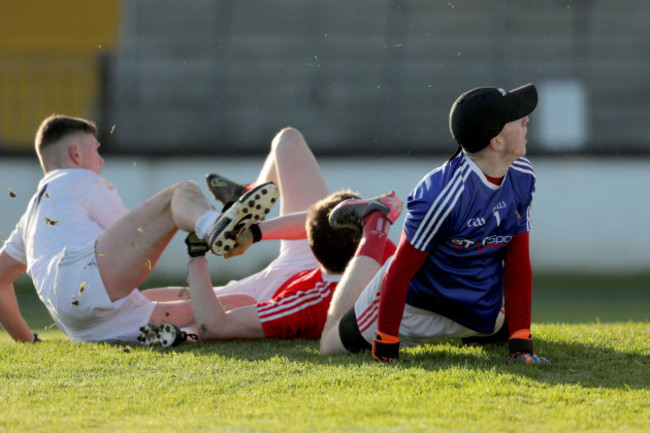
x=167 y=294
x=360 y=272
x=359 y=287
x=179 y=313
x=343 y=336
x=293 y=167
x=236 y=300
x=134 y=243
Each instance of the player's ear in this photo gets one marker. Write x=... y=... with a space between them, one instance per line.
x=496 y=144
x=73 y=154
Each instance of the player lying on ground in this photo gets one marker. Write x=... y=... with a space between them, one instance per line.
x=290 y=297
x=86 y=253
x=463 y=258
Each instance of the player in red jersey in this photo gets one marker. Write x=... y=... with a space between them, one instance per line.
x=298 y=309
x=290 y=298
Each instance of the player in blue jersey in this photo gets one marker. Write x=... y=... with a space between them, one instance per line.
x=463 y=259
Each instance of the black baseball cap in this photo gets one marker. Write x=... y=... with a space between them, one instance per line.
x=478 y=115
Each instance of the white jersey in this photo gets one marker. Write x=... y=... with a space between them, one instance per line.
x=295 y=256
x=71 y=208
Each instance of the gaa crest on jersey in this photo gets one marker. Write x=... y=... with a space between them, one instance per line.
x=476 y=222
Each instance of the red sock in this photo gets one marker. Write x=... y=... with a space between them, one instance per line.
x=374 y=236
x=249 y=187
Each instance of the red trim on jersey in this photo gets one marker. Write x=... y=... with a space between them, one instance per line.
x=494 y=180
x=518 y=283
x=406 y=262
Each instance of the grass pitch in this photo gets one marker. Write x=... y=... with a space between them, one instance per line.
x=599 y=381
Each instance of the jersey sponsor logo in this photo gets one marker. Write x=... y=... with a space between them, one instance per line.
x=476 y=222
x=494 y=241
x=487 y=242
x=462 y=244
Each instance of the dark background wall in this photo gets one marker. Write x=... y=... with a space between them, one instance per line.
x=358 y=76
x=221 y=76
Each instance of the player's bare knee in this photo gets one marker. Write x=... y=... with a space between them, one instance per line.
x=187 y=186
x=288 y=140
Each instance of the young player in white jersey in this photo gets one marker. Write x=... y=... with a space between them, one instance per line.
x=86 y=253
x=463 y=258
x=291 y=296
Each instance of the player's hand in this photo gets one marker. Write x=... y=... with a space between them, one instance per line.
x=244 y=241
x=521 y=350
x=195 y=246
x=385 y=348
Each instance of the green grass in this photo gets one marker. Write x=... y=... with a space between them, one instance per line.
x=599 y=380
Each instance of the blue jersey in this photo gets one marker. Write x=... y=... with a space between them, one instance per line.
x=465 y=223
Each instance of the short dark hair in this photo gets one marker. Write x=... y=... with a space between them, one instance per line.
x=57 y=126
x=333 y=248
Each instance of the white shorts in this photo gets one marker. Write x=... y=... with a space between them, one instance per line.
x=295 y=256
x=81 y=308
x=418 y=325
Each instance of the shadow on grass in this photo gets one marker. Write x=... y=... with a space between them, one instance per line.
x=583 y=364
x=572 y=363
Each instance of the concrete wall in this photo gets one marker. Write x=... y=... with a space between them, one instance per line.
x=590 y=215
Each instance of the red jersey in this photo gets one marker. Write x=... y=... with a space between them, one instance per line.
x=298 y=309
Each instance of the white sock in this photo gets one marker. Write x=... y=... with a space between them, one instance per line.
x=205 y=223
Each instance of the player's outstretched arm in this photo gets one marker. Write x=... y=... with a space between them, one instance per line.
x=405 y=264
x=10 y=318
x=518 y=291
x=285 y=227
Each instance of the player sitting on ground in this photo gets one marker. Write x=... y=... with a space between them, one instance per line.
x=463 y=256
x=86 y=253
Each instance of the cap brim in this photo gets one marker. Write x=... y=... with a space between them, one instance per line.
x=525 y=101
